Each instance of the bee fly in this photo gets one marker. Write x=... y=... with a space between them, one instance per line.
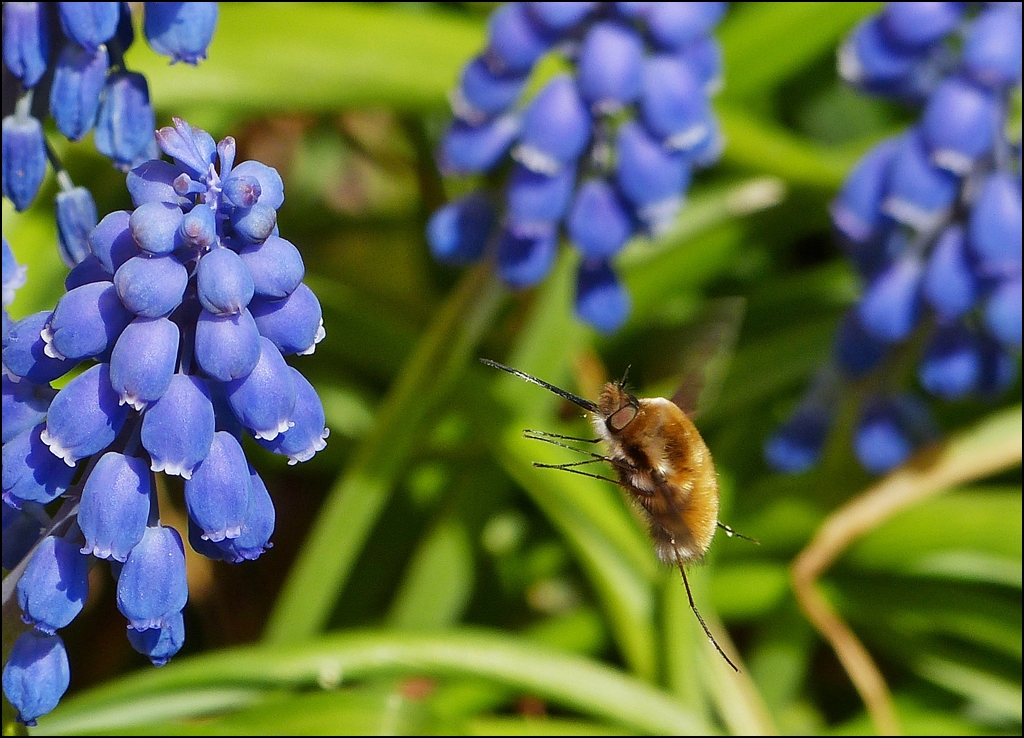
x=660 y=460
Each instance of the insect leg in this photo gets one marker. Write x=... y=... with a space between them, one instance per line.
x=530 y=434
x=704 y=625
x=730 y=532
x=568 y=468
x=538 y=434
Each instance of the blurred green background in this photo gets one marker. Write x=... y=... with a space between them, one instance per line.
x=426 y=578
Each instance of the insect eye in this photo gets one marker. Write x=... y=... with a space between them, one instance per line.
x=621 y=417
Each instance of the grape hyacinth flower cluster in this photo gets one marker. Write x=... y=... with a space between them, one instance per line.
x=931 y=220
x=67 y=60
x=602 y=154
x=183 y=313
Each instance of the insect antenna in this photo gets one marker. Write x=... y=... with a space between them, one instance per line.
x=730 y=532
x=704 y=625
x=585 y=404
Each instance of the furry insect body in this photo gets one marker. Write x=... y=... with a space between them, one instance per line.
x=661 y=460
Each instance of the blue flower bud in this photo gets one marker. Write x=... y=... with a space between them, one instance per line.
x=951 y=365
x=1003 y=312
x=533 y=199
x=37 y=674
x=458 y=233
x=470 y=149
x=159 y=644
x=86 y=322
x=124 y=129
x=24 y=159
x=998 y=368
x=869 y=59
x=204 y=546
x=919 y=194
x=13 y=274
x=153 y=181
x=219 y=493
x=192 y=148
x=992 y=48
x=182 y=31
x=22 y=529
x=85 y=416
x=559 y=17
x=526 y=257
x=275 y=266
x=256 y=529
x=601 y=300
x=89 y=24
x=78 y=79
x=53 y=589
x=177 y=429
x=75 y=213
x=482 y=93
x=152 y=587
x=857 y=210
x=111 y=241
x=675 y=25
x=224 y=284
x=294 y=324
x=633 y=11
x=891 y=304
x=254 y=224
x=556 y=127
x=651 y=177
x=515 y=41
x=199 y=229
x=151 y=286
x=599 y=223
x=610 y=66
x=673 y=103
x=308 y=433
x=960 y=124
x=24 y=352
x=87 y=271
x=242 y=192
x=264 y=399
x=888 y=431
x=227 y=346
x=24 y=405
x=26 y=41
x=914 y=25
x=704 y=58
x=994 y=225
x=949 y=284
x=797 y=445
x=856 y=351
x=154 y=226
x=30 y=472
x=271 y=184
x=115 y=506
x=143 y=360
